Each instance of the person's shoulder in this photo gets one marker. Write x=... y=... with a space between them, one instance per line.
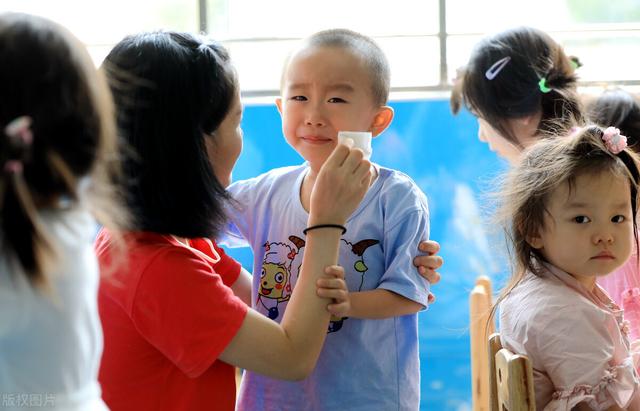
x=155 y=264
x=279 y=172
x=147 y=252
x=70 y=226
x=545 y=299
x=399 y=188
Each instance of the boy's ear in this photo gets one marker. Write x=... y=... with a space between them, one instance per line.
x=381 y=120
x=279 y=104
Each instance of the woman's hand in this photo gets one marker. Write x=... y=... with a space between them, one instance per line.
x=340 y=186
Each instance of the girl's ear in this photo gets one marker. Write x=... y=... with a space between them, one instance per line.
x=381 y=120
x=535 y=241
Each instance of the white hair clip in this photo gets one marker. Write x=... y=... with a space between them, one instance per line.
x=496 y=68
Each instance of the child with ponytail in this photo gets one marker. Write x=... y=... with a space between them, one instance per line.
x=56 y=133
x=569 y=208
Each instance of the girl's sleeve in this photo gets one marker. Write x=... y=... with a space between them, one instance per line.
x=576 y=350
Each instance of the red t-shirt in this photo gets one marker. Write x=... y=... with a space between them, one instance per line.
x=167 y=313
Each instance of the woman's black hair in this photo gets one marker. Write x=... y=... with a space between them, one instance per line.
x=533 y=57
x=618 y=108
x=170 y=90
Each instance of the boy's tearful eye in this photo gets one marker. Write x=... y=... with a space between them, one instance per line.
x=298 y=98
x=336 y=100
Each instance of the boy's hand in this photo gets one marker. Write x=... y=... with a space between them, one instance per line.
x=342 y=182
x=428 y=264
x=335 y=287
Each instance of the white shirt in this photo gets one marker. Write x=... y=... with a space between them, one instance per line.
x=51 y=339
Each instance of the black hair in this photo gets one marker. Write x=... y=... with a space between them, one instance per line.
x=170 y=90
x=515 y=92
x=618 y=108
x=48 y=80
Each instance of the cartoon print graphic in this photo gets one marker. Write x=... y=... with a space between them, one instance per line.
x=275 y=278
x=357 y=263
x=296 y=263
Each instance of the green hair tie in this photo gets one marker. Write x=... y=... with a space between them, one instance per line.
x=543 y=85
x=574 y=64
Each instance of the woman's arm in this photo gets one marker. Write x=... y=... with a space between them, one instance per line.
x=242 y=287
x=290 y=350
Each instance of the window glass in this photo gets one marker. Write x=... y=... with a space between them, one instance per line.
x=606 y=56
x=296 y=19
x=101 y=24
x=260 y=40
x=260 y=33
x=465 y=17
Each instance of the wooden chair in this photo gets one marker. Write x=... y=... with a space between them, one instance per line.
x=511 y=379
x=480 y=303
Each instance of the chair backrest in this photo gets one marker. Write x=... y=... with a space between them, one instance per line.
x=494 y=346
x=512 y=386
x=480 y=302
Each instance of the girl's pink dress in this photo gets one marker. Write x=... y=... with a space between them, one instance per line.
x=576 y=341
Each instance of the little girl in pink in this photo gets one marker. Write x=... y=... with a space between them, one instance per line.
x=570 y=208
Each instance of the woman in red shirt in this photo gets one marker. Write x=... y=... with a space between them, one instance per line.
x=172 y=323
x=172 y=319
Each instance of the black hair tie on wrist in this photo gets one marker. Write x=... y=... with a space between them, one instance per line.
x=313 y=227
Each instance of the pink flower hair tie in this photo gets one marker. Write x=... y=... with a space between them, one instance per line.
x=20 y=129
x=13 y=167
x=20 y=137
x=614 y=141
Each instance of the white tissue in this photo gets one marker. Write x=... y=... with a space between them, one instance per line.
x=361 y=140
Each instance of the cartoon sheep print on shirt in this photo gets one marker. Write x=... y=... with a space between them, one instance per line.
x=355 y=268
x=275 y=278
x=281 y=266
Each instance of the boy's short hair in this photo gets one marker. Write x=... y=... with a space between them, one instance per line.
x=365 y=48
